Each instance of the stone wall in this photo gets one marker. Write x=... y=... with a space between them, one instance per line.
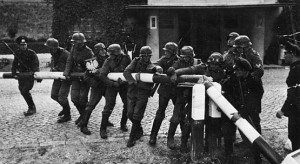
x=32 y=19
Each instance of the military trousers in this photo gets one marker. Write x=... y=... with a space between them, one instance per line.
x=79 y=93
x=110 y=98
x=60 y=91
x=137 y=102
x=25 y=85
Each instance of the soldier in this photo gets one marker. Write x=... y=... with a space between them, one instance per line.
x=117 y=62
x=291 y=106
x=243 y=48
x=76 y=63
x=183 y=95
x=60 y=88
x=230 y=55
x=97 y=86
x=166 y=91
x=244 y=92
x=214 y=69
x=138 y=91
x=25 y=60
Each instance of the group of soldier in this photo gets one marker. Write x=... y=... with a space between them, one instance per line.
x=239 y=70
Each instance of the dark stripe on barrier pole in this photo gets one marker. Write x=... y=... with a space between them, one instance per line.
x=267 y=151
x=197 y=140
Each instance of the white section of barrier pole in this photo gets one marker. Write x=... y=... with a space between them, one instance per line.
x=49 y=75
x=247 y=129
x=115 y=76
x=198 y=102
x=292 y=158
x=220 y=100
x=213 y=108
x=145 y=77
x=1 y=75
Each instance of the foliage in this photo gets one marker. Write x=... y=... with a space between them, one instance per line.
x=108 y=17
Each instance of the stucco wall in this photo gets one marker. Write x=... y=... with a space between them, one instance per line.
x=28 y=18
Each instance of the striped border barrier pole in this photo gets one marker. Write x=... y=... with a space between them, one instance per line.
x=253 y=136
x=198 y=116
x=213 y=129
x=145 y=77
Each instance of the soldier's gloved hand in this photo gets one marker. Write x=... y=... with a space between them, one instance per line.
x=279 y=114
x=116 y=84
x=68 y=77
x=171 y=71
x=138 y=77
x=235 y=117
x=120 y=81
x=173 y=78
x=159 y=70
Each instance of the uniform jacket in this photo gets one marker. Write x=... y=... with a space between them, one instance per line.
x=113 y=65
x=25 y=61
x=292 y=102
x=76 y=60
x=138 y=66
x=166 y=63
x=59 y=60
x=244 y=94
x=94 y=78
x=256 y=62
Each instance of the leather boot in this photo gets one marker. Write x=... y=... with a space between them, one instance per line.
x=154 y=131
x=123 y=122
x=31 y=110
x=80 y=111
x=103 y=127
x=170 y=139
x=31 y=106
x=185 y=137
x=139 y=130
x=67 y=114
x=83 y=127
x=132 y=138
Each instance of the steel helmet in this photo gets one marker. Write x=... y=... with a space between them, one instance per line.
x=232 y=35
x=171 y=47
x=114 y=49
x=99 y=46
x=52 y=43
x=187 y=51
x=242 y=41
x=215 y=58
x=78 y=37
x=146 y=50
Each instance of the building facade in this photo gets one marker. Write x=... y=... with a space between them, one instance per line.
x=204 y=24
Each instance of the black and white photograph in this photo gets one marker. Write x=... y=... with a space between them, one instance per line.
x=150 y=81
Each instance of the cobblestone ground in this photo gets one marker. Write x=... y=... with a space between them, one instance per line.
x=42 y=129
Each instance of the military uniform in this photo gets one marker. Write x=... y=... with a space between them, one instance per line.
x=25 y=61
x=291 y=106
x=97 y=91
x=138 y=94
x=60 y=88
x=114 y=65
x=166 y=93
x=80 y=88
x=245 y=94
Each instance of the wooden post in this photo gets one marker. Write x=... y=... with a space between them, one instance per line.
x=198 y=114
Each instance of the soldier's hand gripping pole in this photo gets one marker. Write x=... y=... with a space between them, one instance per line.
x=253 y=136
